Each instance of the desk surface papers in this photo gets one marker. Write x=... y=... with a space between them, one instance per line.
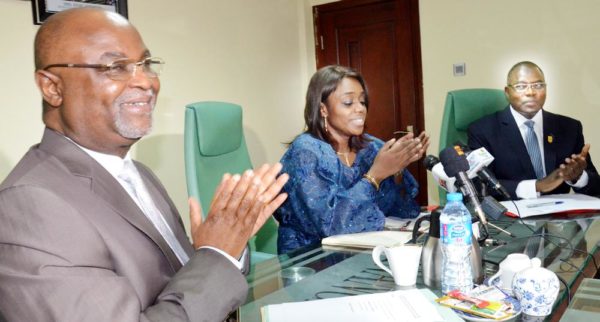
x=552 y=204
x=404 y=306
x=369 y=239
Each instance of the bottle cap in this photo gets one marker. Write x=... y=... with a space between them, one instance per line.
x=454 y=196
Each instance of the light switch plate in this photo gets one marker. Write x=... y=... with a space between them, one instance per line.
x=459 y=69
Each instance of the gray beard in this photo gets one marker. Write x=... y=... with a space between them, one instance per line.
x=127 y=130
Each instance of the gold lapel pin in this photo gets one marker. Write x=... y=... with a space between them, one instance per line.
x=550 y=138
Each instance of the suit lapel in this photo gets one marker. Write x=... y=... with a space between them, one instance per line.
x=512 y=134
x=165 y=206
x=550 y=128
x=105 y=187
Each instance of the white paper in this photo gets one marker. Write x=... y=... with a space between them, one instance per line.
x=369 y=239
x=404 y=224
x=404 y=306
x=550 y=204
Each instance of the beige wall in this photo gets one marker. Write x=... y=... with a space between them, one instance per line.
x=260 y=54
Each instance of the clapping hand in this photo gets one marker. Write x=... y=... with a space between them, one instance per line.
x=573 y=167
x=397 y=154
x=571 y=170
x=240 y=206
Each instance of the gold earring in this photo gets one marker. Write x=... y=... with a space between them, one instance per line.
x=325 y=121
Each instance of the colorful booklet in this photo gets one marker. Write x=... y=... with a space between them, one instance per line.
x=498 y=308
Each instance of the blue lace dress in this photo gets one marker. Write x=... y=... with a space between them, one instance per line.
x=328 y=198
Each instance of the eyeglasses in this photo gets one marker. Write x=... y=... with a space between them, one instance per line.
x=521 y=87
x=122 y=69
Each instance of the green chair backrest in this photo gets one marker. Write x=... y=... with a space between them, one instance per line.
x=215 y=145
x=462 y=108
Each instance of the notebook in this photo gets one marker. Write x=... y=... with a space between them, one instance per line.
x=369 y=239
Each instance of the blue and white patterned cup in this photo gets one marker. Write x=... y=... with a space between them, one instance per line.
x=537 y=289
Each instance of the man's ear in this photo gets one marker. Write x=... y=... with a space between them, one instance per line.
x=50 y=86
x=323 y=110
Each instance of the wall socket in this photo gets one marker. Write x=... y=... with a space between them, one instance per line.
x=459 y=69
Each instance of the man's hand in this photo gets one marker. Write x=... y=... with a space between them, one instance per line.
x=549 y=182
x=240 y=206
x=574 y=166
x=571 y=170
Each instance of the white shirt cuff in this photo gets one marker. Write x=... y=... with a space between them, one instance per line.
x=582 y=182
x=526 y=190
x=235 y=262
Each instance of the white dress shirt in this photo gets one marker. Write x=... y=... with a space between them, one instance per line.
x=114 y=165
x=526 y=188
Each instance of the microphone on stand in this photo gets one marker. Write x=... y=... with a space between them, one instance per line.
x=456 y=165
x=479 y=159
x=434 y=166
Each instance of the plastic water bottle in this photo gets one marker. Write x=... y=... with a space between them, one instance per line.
x=456 y=234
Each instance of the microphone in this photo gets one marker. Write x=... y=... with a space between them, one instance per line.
x=434 y=166
x=456 y=165
x=478 y=161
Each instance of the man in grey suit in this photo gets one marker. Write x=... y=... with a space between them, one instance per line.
x=87 y=234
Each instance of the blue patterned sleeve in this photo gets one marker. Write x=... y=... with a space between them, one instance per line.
x=318 y=204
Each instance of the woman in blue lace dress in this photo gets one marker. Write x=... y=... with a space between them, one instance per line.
x=343 y=180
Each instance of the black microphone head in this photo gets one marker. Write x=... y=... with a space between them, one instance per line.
x=430 y=161
x=454 y=160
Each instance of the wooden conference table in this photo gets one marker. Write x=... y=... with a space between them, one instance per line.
x=566 y=245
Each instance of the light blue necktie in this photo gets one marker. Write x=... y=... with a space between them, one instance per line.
x=533 y=148
x=136 y=188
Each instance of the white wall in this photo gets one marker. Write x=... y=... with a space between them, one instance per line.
x=260 y=54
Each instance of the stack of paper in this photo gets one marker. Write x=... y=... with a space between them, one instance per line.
x=369 y=239
x=406 y=305
x=552 y=204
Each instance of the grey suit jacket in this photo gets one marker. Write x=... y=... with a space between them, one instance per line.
x=75 y=247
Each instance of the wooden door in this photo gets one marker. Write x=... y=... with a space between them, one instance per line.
x=380 y=39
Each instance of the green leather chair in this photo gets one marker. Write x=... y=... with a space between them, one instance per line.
x=215 y=145
x=463 y=107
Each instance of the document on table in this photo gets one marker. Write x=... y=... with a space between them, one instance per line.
x=369 y=239
x=552 y=204
x=405 y=305
x=405 y=224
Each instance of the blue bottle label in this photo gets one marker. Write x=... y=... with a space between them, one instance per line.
x=456 y=234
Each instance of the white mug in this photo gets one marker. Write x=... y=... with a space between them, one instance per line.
x=511 y=265
x=403 y=260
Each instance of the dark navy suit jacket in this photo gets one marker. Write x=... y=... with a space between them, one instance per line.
x=499 y=134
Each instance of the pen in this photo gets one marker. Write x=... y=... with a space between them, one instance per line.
x=542 y=204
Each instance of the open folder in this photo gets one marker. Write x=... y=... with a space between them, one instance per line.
x=552 y=204
x=369 y=239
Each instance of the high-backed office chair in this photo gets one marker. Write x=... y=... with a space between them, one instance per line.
x=463 y=107
x=215 y=145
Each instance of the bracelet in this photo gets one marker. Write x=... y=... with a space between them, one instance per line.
x=371 y=180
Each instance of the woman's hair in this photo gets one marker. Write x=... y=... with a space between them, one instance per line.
x=322 y=84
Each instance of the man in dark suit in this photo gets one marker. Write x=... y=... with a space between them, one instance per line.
x=535 y=152
x=87 y=234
